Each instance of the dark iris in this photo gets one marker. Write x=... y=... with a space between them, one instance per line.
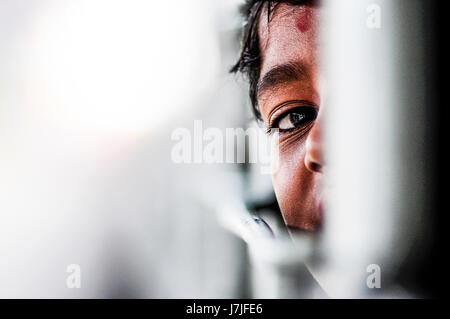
x=297 y=119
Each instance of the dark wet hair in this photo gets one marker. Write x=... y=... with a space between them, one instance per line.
x=249 y=62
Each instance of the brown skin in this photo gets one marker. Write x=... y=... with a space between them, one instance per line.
x=282 y=99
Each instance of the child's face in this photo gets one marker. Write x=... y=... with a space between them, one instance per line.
x=290 y=96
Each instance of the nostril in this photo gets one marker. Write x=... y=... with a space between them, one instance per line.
x=312 y=163
x=316 y=167
x=314 y=157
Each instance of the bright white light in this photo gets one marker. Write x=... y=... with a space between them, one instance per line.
x=115 y=66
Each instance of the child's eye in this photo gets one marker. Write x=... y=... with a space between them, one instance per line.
x=295 y=118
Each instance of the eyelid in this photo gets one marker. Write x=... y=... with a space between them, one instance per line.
x=279 y=111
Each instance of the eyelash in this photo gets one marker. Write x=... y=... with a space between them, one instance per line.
x=299 y=109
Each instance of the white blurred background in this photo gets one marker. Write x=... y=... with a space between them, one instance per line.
x=90 y=91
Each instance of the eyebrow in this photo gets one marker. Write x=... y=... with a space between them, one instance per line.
x=281 y=74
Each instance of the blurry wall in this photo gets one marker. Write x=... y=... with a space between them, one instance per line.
x=90 y=92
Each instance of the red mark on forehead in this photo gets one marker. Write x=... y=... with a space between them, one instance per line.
x=304 y=19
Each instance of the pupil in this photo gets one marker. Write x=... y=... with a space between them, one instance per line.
x=296 y=118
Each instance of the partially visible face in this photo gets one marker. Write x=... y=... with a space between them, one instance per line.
x=289 y=97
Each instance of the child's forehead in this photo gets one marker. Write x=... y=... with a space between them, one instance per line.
x=290 y=34
x=284 y=18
